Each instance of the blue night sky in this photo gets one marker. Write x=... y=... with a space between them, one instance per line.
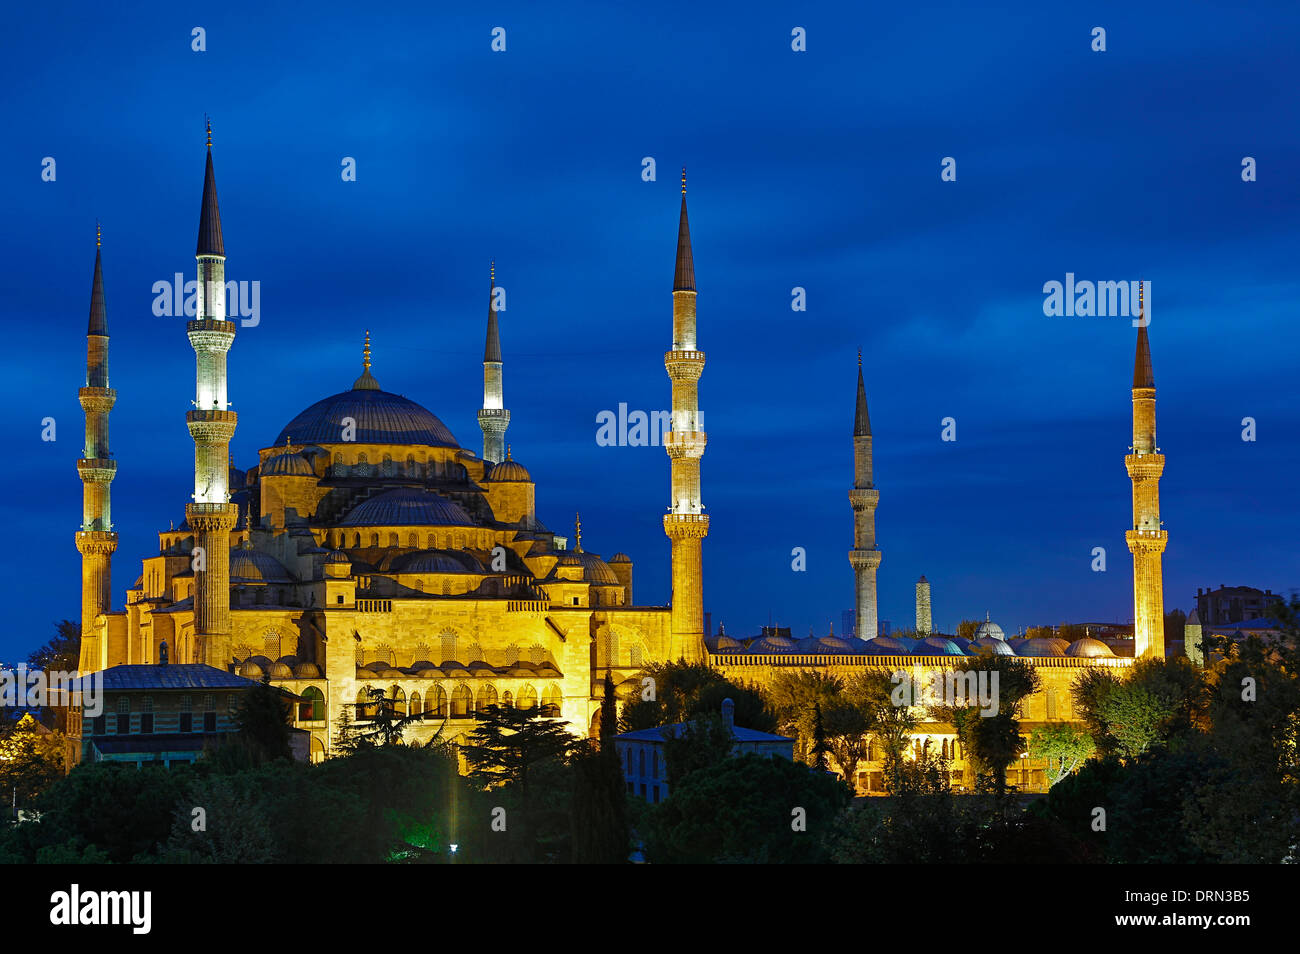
x=818 y=169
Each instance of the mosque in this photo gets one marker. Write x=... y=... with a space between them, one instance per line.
x=366 y=548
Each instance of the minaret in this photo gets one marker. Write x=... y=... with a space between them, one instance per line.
x=96 y=539
x=924 y=623
x=865 y=556
x=211 y=516
x=1146 y=541
x=685 y=523
x=493 y=418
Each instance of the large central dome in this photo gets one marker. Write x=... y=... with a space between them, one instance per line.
x=381 y=418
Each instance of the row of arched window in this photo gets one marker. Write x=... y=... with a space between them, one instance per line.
x=450 y=648
x=360 y=466
x=431 y=540
x=462 y=703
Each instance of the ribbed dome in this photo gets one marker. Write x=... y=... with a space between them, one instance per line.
x=620 y=557
x=837 y=644
x=255 y=566
x=773 y=644
x=287 y=465
x=988 y=628
x=725 y=644
x=594 y=569
x=279 y=670
x=439 y=561
x=937 y=646
x=886 y=646
x=1039 y=646
x=306 y=670
x=999 y=647
x=1089 y=648
x=338 y=556
x=250 y=670
x=407 y=507
x=509 y=471
x=381 y=418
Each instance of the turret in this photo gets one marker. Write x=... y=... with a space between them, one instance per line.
x=685 y=523
x=493 y=418
x=95 y=539
x=863 y=497
x=212 y=424
x=1147 y=539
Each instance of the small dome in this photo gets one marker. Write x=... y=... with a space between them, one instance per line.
x=1040 y=646
x=961 y=642
x=837 y=644
x=407 y=507
x=287 y=465
x=620 y=557
x=251 y=670
x=887 y=646
x=989 y=629
x=999 y=647
x=725 y=644
x=279 y=670
x=773 y=644
x=306 y=670
x=338 y=556
x=936 y=646
x=594 y=569
x=1089 y=648
x=254 y=566
x=509 y=472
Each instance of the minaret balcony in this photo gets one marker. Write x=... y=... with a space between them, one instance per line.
x=97 y=469
x=97 y=400
x=684 y=365
x=685 y=444
x=211 y=427
x=96 y=541
x=1147 y=541
x=686 y=525
x=864 y=499
x=1144 y=466
x=224 y=330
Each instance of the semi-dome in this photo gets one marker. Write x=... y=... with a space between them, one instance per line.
x=381 y=418
x=439 y=561
x=509 y=471
x=1040 y=646
x=254 y=566
x=407 y=507
x=287 y=465
x=1089 y=648
x=937 y=646
x=620 y=557
x=594 y=569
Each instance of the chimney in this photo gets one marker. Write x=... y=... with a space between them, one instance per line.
x=729 y=713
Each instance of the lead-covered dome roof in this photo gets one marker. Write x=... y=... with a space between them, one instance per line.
x=381 y=418
x=407 y=507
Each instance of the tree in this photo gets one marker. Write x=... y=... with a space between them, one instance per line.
x=702 y=742
x=1064 y=746
x=872 y=693
x=793 y=697
x=683 y=690
x=749 y=810
x=599 y=806
x=819 y=746
x=509 y=742
x=847 y=737
x=31 y=760
x=1159 y=702
x=384 y=727
x=993 y=741
x=264 y=717
x=967 y=627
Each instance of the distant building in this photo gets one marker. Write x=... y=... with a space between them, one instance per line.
x=1234 y=604
x=645 y=769
x=161 y=714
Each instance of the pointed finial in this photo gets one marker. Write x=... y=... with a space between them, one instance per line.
x=507 y=452
x=683 y=180
x=577 y=530
x=859 y=359
x=99 y=234
x=493 y=275
x=208 y=120
x=365 y=352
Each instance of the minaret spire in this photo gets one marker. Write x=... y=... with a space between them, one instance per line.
x=493 y=418
x=367 y=380
x=863 y=497
x=212 y=424
x=95 y=539
x=686 y=524
x=1147 y=540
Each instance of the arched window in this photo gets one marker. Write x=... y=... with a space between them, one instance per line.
x=411 y=469
x=382 y=653
x=449 y=647
x=462 y=701
x=512 y=654
x=487 y=696
x=312 y=706
x=398 y=695
x=537 y=654
x=551 y=701
x=640 y=761
x=507 y=699
x=473 y=653
x=636 y=655
x=361 y=655
x=527 y=698
x=365 y=705
x=1051 y=703
x=392 y=539
x=271 y=646
x=412 y=540
x=435 y=703
x=374 y=539
x=422 y=653
x=416 y=709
